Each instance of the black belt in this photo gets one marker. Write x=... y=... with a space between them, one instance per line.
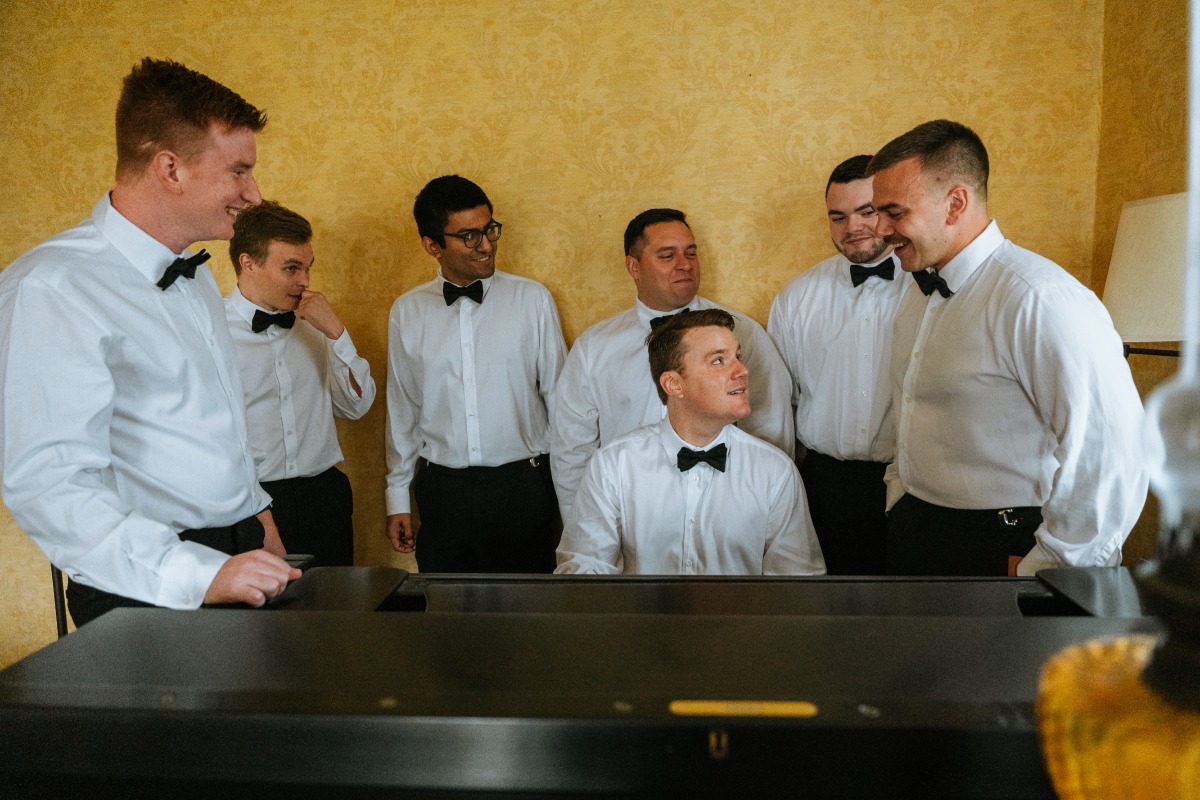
x=533 y=462
x=1000 y=518
x=821 y=461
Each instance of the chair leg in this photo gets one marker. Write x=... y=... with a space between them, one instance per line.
x=60 y=600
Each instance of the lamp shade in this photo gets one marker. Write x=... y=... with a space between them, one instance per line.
x=1144 y=290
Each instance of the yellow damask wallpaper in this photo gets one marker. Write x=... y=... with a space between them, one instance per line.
x=573 y=117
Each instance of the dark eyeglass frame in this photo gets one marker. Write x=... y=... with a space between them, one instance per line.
x=474 y=237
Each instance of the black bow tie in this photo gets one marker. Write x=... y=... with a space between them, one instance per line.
x=658 y=322
x=928 y=281
x=452 y=292
x=884 y=269
x=263 y=320
x=182 y=266
x=689 y=458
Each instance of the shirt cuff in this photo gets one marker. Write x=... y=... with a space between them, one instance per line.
x=397 y=500
x=187 y=572
x=1038 y=558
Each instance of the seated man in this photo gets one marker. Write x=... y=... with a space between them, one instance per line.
x=651 y=504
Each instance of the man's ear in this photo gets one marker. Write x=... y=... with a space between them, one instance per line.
x=245 y=262
x=671 y=383
x=167 y=167
x=632 y=267
x=433 y=248
x=958 y=200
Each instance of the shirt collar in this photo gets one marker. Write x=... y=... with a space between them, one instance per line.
x=960 y=268
x=487 y=282
x=244 y=308
x=147 y=255
x=645 y=313
x=671 y=440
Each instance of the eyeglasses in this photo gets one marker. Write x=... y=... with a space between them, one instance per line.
x=473 y=238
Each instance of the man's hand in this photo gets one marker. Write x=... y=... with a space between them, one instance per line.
x=271 y=541
x=253 y=578
x=316 y=311
x=400 y=531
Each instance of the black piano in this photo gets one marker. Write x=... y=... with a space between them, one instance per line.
x=371 y=682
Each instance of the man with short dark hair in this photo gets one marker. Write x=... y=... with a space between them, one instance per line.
x=602 y=393
x=833 y=326
x=299 y=370
x=472 y=358
x=124 y=439
x=1018 y=425
x=692 y=494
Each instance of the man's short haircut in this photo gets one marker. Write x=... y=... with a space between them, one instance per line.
x=852 y=169
x=166 y=106
x=636 y=229
x=442 y=197
x=947 y=148
x=665 y=343
x=258 y=226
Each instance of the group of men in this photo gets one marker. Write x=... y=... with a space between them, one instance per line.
x=166 y=448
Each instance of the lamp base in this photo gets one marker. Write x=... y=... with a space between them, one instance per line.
x=1170 y=590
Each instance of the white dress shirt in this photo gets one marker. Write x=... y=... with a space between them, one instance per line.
x=836 y=339
x=122 y=421
x=636 y=513
x=1014 y=391
x=290 y=370
x=469 y=384
x=606 y=391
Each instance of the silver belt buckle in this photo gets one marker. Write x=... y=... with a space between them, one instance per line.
x=1003 y=515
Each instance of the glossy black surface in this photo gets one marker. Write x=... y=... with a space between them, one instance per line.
x=453 y=703
x=718 y=596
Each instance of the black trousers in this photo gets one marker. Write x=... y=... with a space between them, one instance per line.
x=87 y=603
x=926 y=539
x=487 y=519
x=846 y=500
x=315 y=516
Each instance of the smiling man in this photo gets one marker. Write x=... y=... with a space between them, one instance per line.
x=472 y=358
x=1018 y=425
x=833 y=325
x=603 y=393
x=299 y=370
x=123 y=429
x=692 y=494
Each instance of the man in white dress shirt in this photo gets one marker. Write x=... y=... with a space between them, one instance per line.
x=299 y=370
x=1018 y=425
x=125 y=453
x=603 y=393
x=472 y=358
x=692 y=494
x=833 y=326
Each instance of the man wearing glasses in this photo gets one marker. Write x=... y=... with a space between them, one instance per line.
x=472 y=358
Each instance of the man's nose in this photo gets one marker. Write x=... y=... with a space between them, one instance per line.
x=252 y=195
